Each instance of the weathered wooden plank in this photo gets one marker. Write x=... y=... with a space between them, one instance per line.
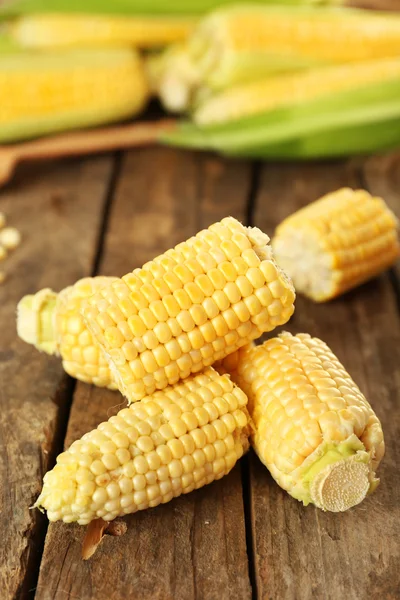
x=303 y=553
x=58 y=209
x=194 y=547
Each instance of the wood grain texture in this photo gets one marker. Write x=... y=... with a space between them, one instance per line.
x=193 y=547
x=59 y=229
x=304 y=553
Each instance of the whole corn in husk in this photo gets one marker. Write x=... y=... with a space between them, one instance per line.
x=354 y=109
x=63 y=90
x=168 y=444
x=53 y=324
x=337 y=243
x=189 y=307
x=246 y=43
x=313 y=428
x=75 y=30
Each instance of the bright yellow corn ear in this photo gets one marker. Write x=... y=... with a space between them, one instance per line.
x=168 y=444
x=76 y=30
x=189 y=307
x=53 y=323
x=68 y=89
x=313 y=428
x=337 y=243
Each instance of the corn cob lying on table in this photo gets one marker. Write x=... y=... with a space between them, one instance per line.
x=336 y=243
x=53 y=324
x=189 y=307
x=313 y=428
x=168 y=444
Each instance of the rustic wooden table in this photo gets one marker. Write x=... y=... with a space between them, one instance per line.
x=239 y=538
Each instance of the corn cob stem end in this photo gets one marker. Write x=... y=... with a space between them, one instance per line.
x=35 y=320
x=341 y=477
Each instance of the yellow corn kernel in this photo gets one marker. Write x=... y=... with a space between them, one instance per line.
x=337 y=243
x=313 y=428
x=126 y=469
x=207 y=315
x=66 y=89
x=53 y=323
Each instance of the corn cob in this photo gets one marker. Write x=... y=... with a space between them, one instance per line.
x=359 y=115
x=189 y=307
x=53 y=323
x=168 y=444
x=68 y=89
x=269 y=94
x=337 y=243
x=245 y=43
x=72 y=30
x=313 y=428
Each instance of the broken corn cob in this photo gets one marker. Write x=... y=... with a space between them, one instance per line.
x=68 y=89
x=189 y=307
x=168 y=444
x=75 y=30
x=337 y=243
x=313 y=428
x=53 y=323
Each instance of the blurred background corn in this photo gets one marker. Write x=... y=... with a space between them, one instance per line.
x=168 y=444
x=337 y=243
x=268 y=94
x=189 y=307
x=75 y=30
x=68 y=89
x=246 y=43
x=313 y=428
x=53 y=323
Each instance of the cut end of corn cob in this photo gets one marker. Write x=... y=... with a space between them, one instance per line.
x=169 y=444
x=337 y=243
x=313 y=428
x=35 y=320
x=189 y=307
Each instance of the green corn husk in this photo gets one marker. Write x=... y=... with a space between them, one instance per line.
x=133 y=7
x=353 y=122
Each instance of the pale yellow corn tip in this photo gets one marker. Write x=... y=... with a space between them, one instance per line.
x=168 y=444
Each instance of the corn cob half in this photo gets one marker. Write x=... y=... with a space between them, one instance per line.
x=313 y=428
x=337 y=243
x=168 y=444
x=189 y=307
x=53 y=323
x=68 y=89
x=75 y=30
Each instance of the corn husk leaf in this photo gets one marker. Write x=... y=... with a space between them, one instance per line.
x=306 y=129
x=133 y=7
